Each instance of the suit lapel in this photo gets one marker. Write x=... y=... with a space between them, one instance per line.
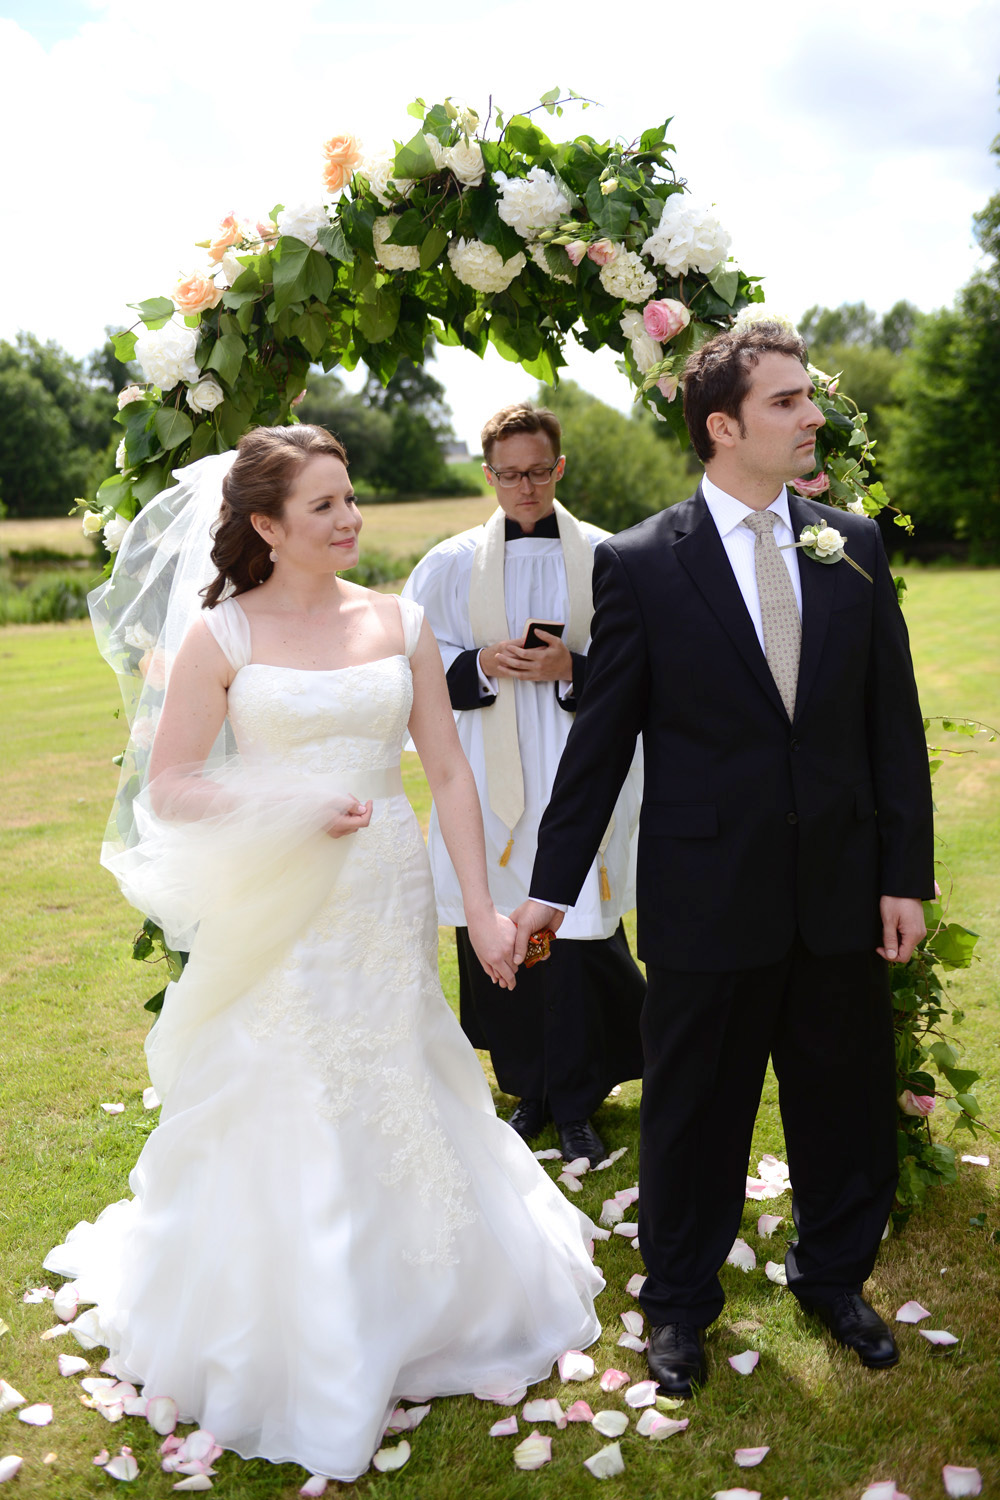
x=819 y=584
x=703 y=557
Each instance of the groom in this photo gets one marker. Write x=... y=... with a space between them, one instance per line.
x=785 y=844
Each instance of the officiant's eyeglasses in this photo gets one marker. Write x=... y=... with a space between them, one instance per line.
x=538 y=474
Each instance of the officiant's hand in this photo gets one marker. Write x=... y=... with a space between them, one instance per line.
x=532 y=917
x=903 y=927
x=347 y=815
x=549 y=663
x=492 y=936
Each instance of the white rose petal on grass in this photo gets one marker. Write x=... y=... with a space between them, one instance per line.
x=57 y=1332
x=643 y=1393
x=774 y=1172
x=9 y=1466
x=72 y=1364
x=39 y=1294
x=629 y=1341
x=882 y=1489
x=569 y=1182
x=609 y=1161
x=123 y=1467
x=911 y=1312
x=775 y=1271
x=959 y=1481
x=632 y=1321
x=550 y=1155
x=745 y=1363
x=502 y=1398
x=938 y=1336
x=611 y=1212
x=506 y=1427
x=635 y=1284
x=768 y=1223
x=627 y=1231
x=611 y=1424
x=193 y=1482
x=742 y=1257
x=657 y=1427
x=407 y=1419
x=575 y=1366
x=162 y=1414
x=150 y=1098
x=113 y=1109
x=39 y=1415
x=606 y=1462
x=387 y=1459
x=10 y=1399
x=737 y=1494
x=749 y=1458
x=977 y=1161
x=577 y=1166
x=613 y=1380
x=579 y=1412
x=315 y=1485
x=533 y=1452
x=541 y=1410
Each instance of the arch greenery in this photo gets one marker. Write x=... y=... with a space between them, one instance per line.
x=474 y=233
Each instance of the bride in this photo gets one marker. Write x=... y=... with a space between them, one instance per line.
x=329 y=1216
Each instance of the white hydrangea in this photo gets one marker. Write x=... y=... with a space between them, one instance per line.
x=645 y=351
x=114 y=531
x=304 y=222
x=166 y=355
x=538 y=256
x=482 y=266
x=377 y=172
x=393 y=257
x=466 y=161
x=688 y=237
x=758 y=313
x=531 y=203
x=626 y=277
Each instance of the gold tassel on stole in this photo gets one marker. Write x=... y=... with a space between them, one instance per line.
x=605 y=883
x=505 y=856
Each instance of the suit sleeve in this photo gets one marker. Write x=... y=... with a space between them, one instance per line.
x=897 y=747
x=464 y=686
x=601 y=743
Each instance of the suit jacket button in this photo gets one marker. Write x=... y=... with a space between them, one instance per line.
x=791 y=817
x=794 y=745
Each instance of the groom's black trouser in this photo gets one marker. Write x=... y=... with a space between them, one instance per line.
x=827 y=1024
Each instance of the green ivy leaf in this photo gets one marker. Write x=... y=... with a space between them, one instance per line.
x=969 y=1103
x=155 y=311
x=527 y=138
x=414 y=159
x=149 y=484
x=953 y=947
x=418 y=109
x=311 y=328
x=725 y=278
x=943 y=1055
x=227 y=356
x=300 y=273
x=334 y=242
x=378 y=313
x=173 y=427
x=202 y=442
x=610 y=214
x=434 y=242
x=124 y=345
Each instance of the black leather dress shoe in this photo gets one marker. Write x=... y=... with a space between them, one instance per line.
x=857 y=1326
x=579 y=1138
x=676 y=1358
x=529 y=1118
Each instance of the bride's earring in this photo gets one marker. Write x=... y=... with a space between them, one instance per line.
x=273 y=555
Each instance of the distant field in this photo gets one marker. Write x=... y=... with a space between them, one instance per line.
x=59 y=533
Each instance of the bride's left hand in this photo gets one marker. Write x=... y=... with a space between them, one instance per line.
x=492 y=936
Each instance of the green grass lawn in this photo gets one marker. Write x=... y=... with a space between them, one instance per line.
x=71 y=1033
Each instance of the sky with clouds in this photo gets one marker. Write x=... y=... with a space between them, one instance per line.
x=846 y=147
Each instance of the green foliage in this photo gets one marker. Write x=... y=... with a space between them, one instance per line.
x=48 y=596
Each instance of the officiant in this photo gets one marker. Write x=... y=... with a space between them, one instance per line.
x=510 y=603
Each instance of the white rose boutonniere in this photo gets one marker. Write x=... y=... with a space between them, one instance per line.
x=825 y=544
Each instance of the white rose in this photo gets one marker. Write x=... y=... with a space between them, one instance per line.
x=645 y=351
x=439 y=152
x=114 y=531
x=139 y=637
x=304 y=222
x=129 y=394
x=92 y=522
x=826 y=542
x=167 y=355
x=538 y=256
x=205 y=395
x=856 y=507
x=377 y=172
x=393 y=257
x=688 y=237
x=482 y=266
x=143 y=733
x=231 y=267
x=466 y=162
x=120 y=457
x=626 y=277
x=531 y=203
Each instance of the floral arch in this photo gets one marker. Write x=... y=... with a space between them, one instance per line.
x=514 y=240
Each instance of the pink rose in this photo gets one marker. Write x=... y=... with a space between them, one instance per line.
x=916 y=1104
x=815 y=486
x=229 y=231
x=196 y=293
x=343 y=154
x=668 y=385
x=576 y=250
x=602 y=252
x=267 y=230
x=665 y=318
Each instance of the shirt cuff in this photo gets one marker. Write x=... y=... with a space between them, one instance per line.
x=544 y=901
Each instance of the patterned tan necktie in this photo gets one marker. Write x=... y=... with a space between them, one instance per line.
x=778 y=608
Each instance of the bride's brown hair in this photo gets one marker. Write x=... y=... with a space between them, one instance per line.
x=268 y=459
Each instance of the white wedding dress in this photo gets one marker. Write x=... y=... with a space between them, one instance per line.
x=329 y=1215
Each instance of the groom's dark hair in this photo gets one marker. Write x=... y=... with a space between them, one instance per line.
x=717 y=376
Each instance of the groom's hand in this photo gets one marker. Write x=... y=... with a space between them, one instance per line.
x=903 y=927
x=532 y=917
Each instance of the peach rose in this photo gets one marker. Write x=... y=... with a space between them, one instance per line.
x=153 y=668
x=343 y=154
x=602 y=252
x=663 y=319
x=196 y=293
x=229 y=231
x=668 y=385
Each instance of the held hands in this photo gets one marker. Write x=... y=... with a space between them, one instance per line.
x=531 y=917
x=492 y=936
x=903 y=928
x=347 y=815
x=549 y=663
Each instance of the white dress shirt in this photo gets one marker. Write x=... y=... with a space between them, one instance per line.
x=728 y=513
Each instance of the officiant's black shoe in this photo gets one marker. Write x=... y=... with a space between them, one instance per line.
x=676 y=1359
x=529 y=1118
x=857 y=1326
x=579 y=1138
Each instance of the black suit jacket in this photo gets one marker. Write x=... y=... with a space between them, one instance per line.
x=751 y=825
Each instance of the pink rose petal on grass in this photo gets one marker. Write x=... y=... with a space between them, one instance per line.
x=635 y=1284
x=502 y=1398
x=39 y=1415
x=629 y=1341
x=315 y=1485
x=633 y=1322
x=10 y=1399
x=610 y=1424
x=938 y=1336
x=627 y=1231
x=193 y=1482
x=551 y=1155
x=977 y=1161
x=506 y=1427
x=101 y=1459
x=749 y=1458
x=162 y=1414
x=579 y=1412
x=609 y=1161
x=643 y=1393
x=882 y=1489
x=611 y=1212
x=9 y=1466
x=741 y=1256
x=72 y=1364
x=613 y=1380
x=123 y=1467
x=113 y=1109
x=627 y=1196
x=387 y=1459
x=578 y=1166
x=745 y=1363
x=653 y=1425
x=575 y=1366
x=959 y=1481
x=768 y=1223
x=533 y=1452
x=541 y=1410
x=911 y=1312
x=569 y=1182
x=39 y=1294
x=606 y=1462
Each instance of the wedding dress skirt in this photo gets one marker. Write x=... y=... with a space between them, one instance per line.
x=329 y=1216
